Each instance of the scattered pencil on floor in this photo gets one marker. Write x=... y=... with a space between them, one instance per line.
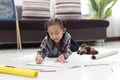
x=74 y=67
x=47 y=70
x=37 y=69
x=95 y=65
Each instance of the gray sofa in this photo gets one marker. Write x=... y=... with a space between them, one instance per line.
x=32 y=31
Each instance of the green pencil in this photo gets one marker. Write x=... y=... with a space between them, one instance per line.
x=37 y=69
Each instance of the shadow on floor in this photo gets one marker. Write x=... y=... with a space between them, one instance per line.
x=14 y=46
x=34 y=45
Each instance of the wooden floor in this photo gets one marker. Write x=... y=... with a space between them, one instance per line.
x=113 y=39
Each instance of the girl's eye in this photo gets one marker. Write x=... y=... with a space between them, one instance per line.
x=51 y=34
x=57 y=33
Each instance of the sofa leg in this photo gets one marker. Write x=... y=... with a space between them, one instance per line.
x=100 y=42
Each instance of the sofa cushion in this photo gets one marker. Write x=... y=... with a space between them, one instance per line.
x=36 y=9
x=68 y=9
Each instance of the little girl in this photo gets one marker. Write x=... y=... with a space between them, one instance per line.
x=58 y=42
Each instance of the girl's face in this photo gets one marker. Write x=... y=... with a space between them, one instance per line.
x=56 y=32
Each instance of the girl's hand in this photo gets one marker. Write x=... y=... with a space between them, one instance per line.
x=61 y=59
x=39 y=60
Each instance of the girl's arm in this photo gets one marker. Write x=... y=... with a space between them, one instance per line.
x=43 y=49
x=67 y=52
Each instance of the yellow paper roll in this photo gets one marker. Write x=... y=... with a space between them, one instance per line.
x=19 y=71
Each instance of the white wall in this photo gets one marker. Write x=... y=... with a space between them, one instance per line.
x=114 y=28
x=18 y=2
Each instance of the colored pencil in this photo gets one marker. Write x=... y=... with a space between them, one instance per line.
x=74 y=67
x=47 y=70
x=95 y=65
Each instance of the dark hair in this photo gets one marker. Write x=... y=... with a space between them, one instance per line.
x=57 y=21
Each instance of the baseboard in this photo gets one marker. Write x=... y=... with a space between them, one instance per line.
x=112 y=39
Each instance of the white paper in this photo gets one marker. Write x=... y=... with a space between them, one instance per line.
x=115 y=67
x=46 y=62
x=51 y=62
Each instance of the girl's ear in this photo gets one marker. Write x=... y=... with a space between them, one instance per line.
x=64 y=30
